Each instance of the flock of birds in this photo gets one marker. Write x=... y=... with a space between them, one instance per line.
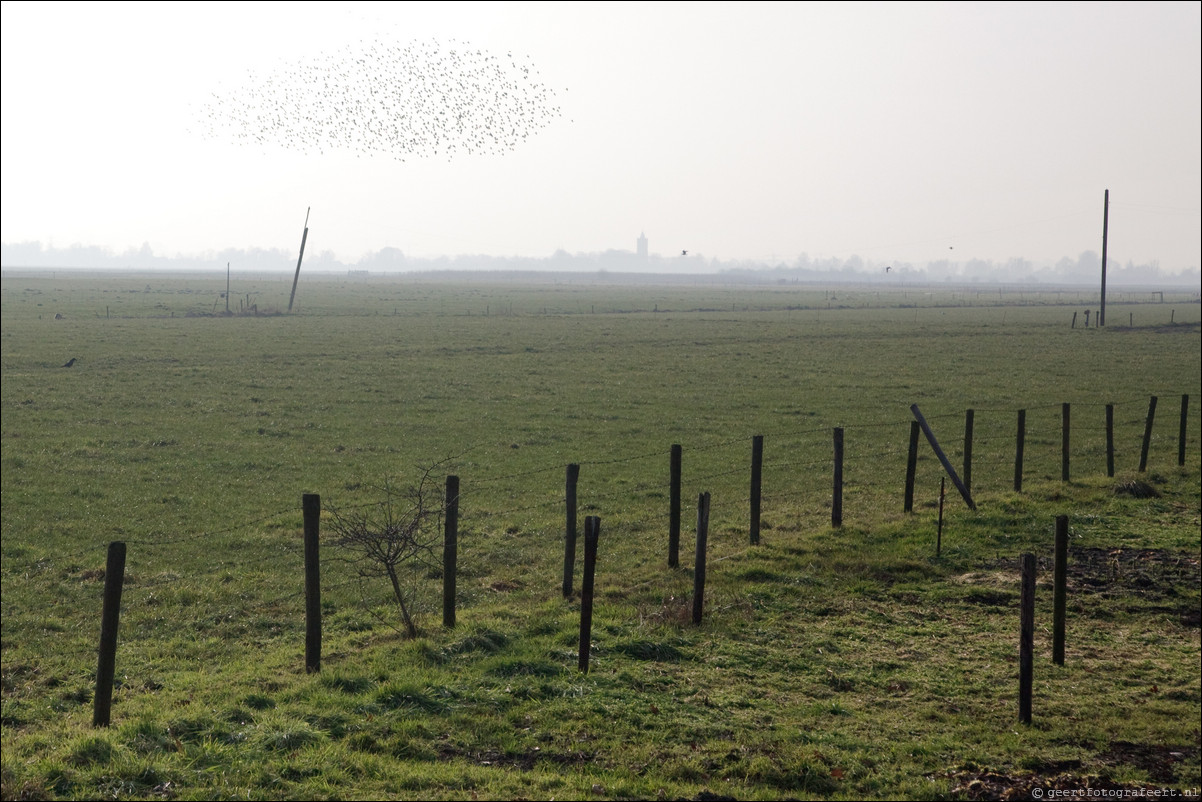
x=419 y=100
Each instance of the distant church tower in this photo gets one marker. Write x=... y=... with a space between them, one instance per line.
x=642 y=245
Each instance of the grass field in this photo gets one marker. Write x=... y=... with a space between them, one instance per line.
x=844 y=662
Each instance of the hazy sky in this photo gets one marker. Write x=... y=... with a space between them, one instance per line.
x=894 y=131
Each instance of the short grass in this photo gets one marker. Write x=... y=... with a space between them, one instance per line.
x=831 y=663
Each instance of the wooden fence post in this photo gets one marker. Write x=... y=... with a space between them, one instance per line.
x=837 y=494
x=1110 y=440
x=1143 y=452
x=939 y=528
x=592 y=531
x=1181 y=432
x=968 y=419
x=1059 y=589
x=703 y=525
x=1064 y=441
x=1020 y=442
x=569 y=540
x=311 y=509
x=1026 y=638
x=450 y=552
x=674 y=509
x=757 y=461
x=911 y=467
x=110 y=617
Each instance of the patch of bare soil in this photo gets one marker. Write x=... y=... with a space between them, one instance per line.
x=992 y=785
x=1154 y=580
x=1157 y=761
x=1150 y=575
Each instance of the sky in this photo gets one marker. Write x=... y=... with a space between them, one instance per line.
x=897 y=132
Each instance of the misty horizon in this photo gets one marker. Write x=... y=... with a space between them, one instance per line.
x=1084 y=269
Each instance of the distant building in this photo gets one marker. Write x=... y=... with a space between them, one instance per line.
x=642 y=245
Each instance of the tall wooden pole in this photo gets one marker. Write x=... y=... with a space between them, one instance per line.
x=296 y=278
x=1105 y=226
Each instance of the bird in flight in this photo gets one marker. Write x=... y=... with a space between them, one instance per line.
x=684 y=253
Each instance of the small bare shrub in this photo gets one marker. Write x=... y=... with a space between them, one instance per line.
x=396 y=538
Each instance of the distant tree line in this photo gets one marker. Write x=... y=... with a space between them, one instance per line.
x=1084 y=269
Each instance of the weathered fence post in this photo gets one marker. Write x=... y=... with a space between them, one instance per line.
x=1059 y=590
x=450 y=552
x=1181 y=432
x=939 y=528
x=1064 y=441
x=703 y=525
x=837 y=493
x=592 y=531
x=757 y=461
x=943 y=460
x=1143 y=452
x=311 y=509
x=911 y=467
x=674 y=509
x=968 y=418
x=1110 y=440
x=1019 y=443
x=1026 y=638
x=569 y=539
x=110 y=617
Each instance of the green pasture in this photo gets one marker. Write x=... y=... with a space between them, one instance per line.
x=846 y=662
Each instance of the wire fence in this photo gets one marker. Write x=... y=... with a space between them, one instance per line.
x=635 y=492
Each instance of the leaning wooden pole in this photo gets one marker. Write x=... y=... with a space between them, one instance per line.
x=299 y=259
x=1105 y=227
